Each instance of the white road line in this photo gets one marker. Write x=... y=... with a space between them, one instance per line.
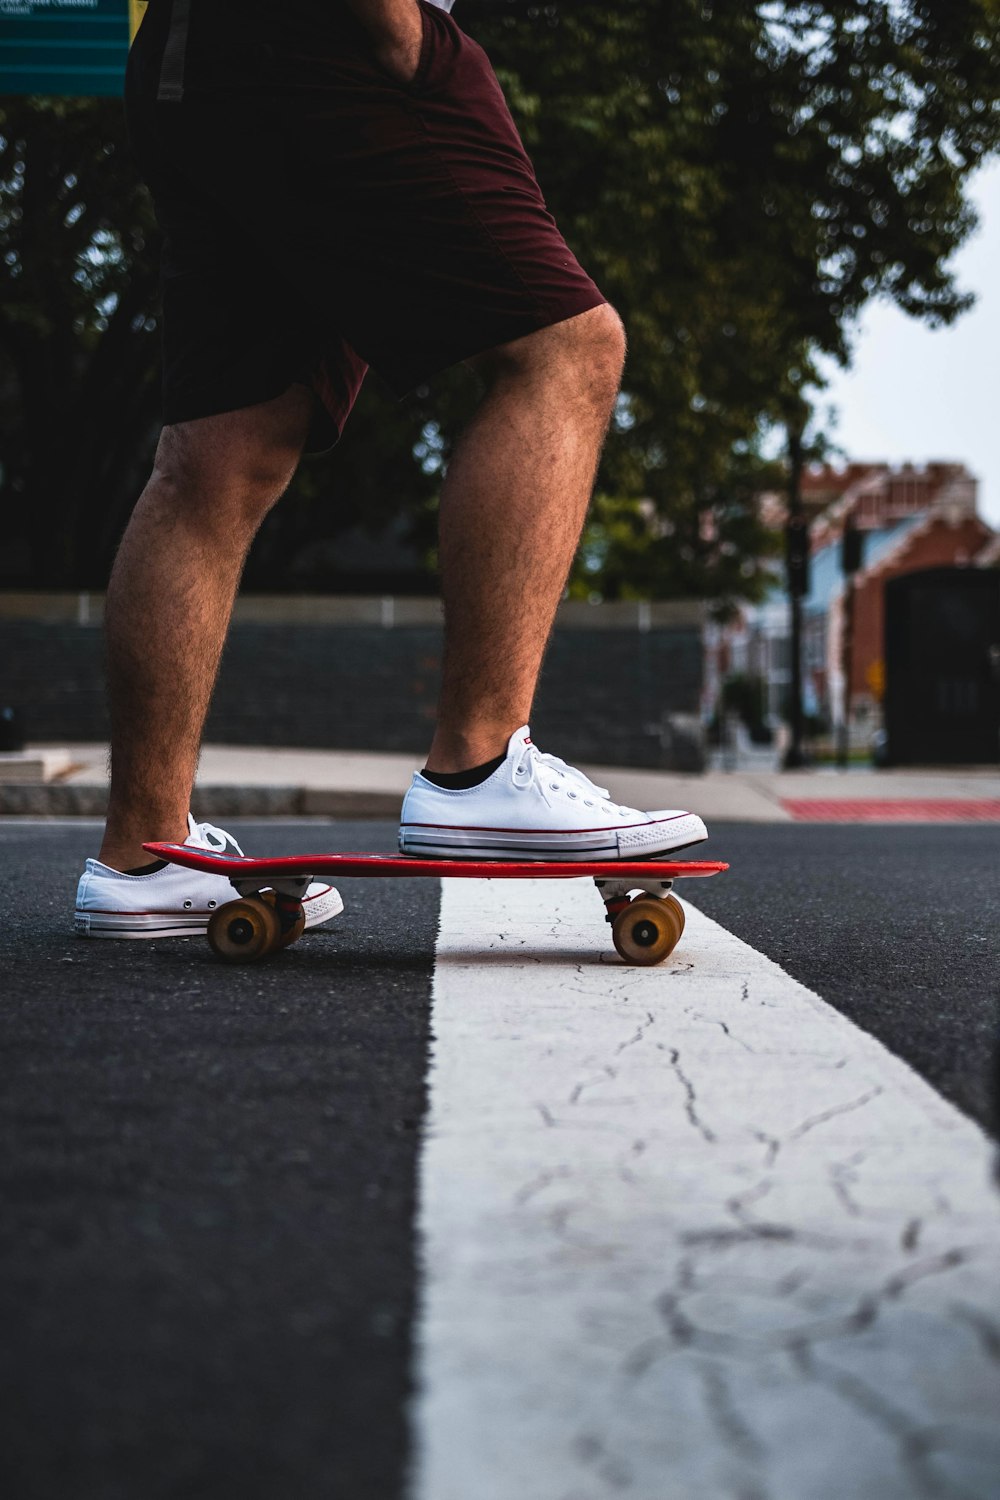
x=687 y=1233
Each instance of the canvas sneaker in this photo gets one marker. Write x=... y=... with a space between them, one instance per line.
x=172 y=902
x=535 y=806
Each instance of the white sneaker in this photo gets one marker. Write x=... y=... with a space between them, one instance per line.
x=535 y=806
x=172 y=902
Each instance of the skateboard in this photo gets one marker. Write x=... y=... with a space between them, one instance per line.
x=646 y=918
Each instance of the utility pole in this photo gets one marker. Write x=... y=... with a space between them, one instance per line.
x=851 y=553
x=797 y=567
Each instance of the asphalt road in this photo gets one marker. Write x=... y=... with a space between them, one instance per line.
x=207 y=1174
x=897 y=926
x=208 y=1177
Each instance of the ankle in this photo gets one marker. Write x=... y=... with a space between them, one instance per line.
x=124 y=851
x=454 y=751
x=122 y=859
x=463 y=781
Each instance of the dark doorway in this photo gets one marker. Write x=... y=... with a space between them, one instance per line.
x=942 y=660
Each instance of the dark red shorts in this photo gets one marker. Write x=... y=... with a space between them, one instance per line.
x=319 y=217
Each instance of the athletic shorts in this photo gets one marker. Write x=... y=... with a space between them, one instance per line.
x=318 y=217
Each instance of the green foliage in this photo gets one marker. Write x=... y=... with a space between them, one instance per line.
x=705 y=543
x=79 y=387
x=740 y=178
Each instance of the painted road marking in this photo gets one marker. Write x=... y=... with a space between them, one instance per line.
x=687 y=1233
x=893 y=809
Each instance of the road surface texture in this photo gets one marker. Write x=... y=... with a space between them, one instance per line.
x=676 y=1232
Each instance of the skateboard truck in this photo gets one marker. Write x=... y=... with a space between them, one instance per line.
x=292 y=888
x=615 y=893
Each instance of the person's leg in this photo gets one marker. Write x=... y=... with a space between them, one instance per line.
x=514 y=501
x=512 y=508
x=169 y=602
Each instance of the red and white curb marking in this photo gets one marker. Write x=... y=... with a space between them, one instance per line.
x=893 y=809
x=687 y=1232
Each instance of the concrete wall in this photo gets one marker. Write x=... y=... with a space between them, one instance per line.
x=621 y=683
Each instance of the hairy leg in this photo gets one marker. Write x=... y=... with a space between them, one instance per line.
x=512 y=509
x=169 y=602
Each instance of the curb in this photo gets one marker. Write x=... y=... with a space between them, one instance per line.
x=61 y=801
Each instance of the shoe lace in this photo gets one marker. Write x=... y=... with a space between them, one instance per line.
x=541 y=768
x=207 y=836
x=554 y=763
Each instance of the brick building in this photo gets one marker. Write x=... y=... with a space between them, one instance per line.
x=911 y=518
x=936 y=541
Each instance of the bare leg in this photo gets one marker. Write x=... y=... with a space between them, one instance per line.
x=169 y=603
x=512 y=508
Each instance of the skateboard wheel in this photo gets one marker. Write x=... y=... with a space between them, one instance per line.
x=648 y=929
x=244 y=930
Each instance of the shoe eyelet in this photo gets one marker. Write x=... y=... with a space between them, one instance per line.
x=553 y=786
x=588 y=804
x=188 y=905
x=573 y=795
x=212 y=905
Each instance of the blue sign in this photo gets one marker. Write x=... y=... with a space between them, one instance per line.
x=74 y=47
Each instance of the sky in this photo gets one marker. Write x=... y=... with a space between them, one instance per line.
x=917 y=393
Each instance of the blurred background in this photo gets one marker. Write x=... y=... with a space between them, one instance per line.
x=792 y=556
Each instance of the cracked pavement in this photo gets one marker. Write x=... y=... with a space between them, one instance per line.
x=209 y=1176
x=689 y=1232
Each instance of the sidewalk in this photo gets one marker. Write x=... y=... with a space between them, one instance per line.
x=237 y=781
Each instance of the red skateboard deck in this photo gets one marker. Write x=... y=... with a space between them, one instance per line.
x=268 y=914
x=302 y=866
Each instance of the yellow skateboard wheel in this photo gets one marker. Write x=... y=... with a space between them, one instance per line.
x=244 y=930
x=648 y=930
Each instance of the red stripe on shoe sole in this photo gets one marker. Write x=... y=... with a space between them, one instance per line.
x=548 y=832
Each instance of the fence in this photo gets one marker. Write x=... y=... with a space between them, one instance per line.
x=621 y=683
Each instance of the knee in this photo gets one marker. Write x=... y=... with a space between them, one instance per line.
x=583 y=356
x=594 y=354
x=217 y=484
x=606 y=348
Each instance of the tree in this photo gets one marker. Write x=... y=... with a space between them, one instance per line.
x=79 y=396
x=741 y=178
x=744 y=178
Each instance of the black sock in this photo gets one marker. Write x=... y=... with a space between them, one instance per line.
x=158 y=864
x=460 y=781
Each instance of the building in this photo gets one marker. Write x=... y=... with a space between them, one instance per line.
x=910 y=518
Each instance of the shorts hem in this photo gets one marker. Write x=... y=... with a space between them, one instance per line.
x=403 y=379
x=324 y=433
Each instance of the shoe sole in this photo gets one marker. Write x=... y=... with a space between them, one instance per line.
x=478 y=843
x=147 y=924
